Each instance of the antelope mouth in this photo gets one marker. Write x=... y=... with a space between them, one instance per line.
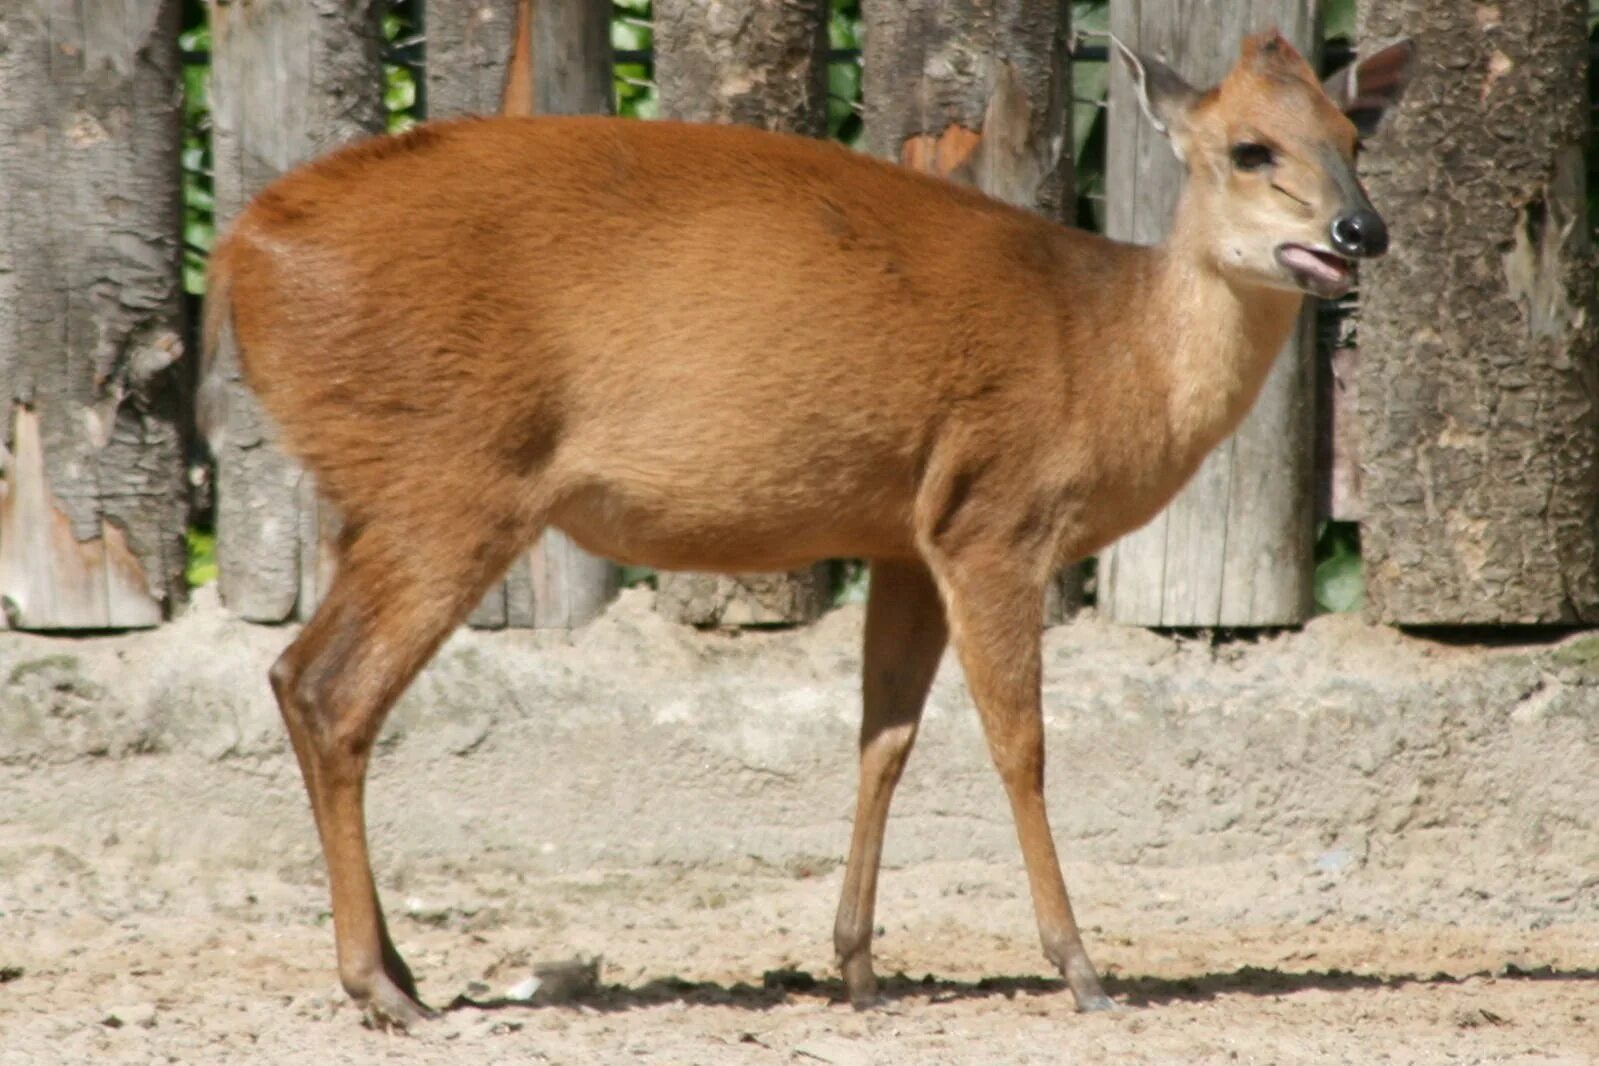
x=1316 y=270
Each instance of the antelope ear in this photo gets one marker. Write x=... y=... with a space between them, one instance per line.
x=1367 y=88
x=1163 y=95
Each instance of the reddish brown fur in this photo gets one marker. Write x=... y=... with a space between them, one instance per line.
x=774 y=312
x=815 y=354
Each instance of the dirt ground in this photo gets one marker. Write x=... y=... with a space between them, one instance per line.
x=1343 y=845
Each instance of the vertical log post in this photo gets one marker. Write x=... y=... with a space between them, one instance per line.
x=290 y=80
x=92 y=499
x=1235 y=547
x=555 y=585
x=1479 y=332
x=762 y=63
x=469 y=46
x=979 y=93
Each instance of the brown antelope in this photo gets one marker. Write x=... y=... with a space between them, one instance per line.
x=820 y=355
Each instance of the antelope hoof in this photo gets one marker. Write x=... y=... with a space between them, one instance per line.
x=1095 y=1003
x=388 y=1008
x=861 y=983
x=1083 y=980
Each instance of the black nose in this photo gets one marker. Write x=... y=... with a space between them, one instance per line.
x=1359 y=233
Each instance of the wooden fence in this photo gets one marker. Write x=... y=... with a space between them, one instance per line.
x=94 y=501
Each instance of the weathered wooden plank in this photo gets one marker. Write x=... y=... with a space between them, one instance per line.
x=1479 y=334
x=555 y=585
x=91 y=527
x=1234 y=547
x=761 y=63
x=290 y=80
x=469 y=45
x=979 y=93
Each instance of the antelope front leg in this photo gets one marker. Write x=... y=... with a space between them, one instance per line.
x=996 y=619
x=905 y=637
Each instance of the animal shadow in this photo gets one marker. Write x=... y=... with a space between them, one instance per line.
x=781 y=986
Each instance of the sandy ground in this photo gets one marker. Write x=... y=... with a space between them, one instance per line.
x=131 y=964
x=1406 y=874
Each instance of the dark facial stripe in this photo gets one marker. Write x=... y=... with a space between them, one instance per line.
x=1342 y=173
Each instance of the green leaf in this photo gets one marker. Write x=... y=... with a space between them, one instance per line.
x=196 y=85
x=1090 y=81
x=1340 y=583
x=197 y=200
x=631 y=576
x=843 y=92
x=843 y=29
x=647 y=106
x=628 y=35
x=1090 y=16
x=197 y=39
x=201 y=568
x=1338 y=19
x=632 y=88
x=400 y=93
x=851 y=581
x=199 y=235
x=193 y=272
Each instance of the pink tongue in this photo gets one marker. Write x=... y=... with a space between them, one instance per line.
x=1301 y=258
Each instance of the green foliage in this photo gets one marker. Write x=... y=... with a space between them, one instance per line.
x=1090 y=83
x=199 y=208
x=844 y=76
x=630 y=32
x=851 y=579
x=637 y=576
x=1089 y=80
x=399 y=80
x=1338 y=20
x=201 y=568
x=1340 y=582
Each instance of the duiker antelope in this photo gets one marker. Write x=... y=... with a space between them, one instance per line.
x=819 y=355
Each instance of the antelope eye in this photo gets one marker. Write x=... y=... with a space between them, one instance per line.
x=1247 y=155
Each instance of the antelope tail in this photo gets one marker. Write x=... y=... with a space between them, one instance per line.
x=517 y=100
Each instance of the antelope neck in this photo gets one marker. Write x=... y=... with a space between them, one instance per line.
x=1214 y=339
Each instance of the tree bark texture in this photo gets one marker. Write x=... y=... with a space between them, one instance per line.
x=754 y=62
x=92 y=501
x=760 y=63
x=290 y=80
x=1234 y=548
x=1480 y=441
x=978 y=92
x=554 y=585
